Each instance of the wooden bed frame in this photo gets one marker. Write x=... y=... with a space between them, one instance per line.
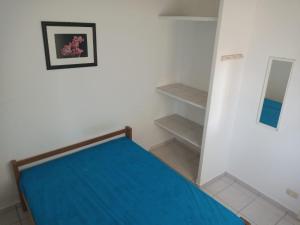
x=127 y=131
x=17 y=164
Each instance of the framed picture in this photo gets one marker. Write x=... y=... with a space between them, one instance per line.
x=69 y=45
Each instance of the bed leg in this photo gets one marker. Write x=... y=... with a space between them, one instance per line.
x=24 y=207
x=17 y=177
x=245 y=221
x=128 y=132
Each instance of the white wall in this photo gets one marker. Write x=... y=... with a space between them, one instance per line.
x=264 y=158
x=234 y=31
x=194 y=46
x=41 y=110
x=193 y=51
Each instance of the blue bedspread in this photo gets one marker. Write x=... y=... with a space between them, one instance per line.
x=117 y=183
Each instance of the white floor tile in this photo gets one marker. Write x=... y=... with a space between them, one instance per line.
x=204 y=190
x=9 y=217
x=23 y=215
x=27 y=222
x=237 y=197
x=225 y=204
x=218 y=185
x=288 y=220
x=263 y=213
x=284 y=222
x=228 y=179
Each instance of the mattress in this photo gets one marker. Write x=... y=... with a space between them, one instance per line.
x=117 y=183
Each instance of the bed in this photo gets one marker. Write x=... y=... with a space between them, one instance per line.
x=113 y=183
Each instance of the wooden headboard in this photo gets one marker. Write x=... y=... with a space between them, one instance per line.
x=17 y=164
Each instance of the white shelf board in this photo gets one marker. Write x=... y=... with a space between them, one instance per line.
x=190 y=18
x=182 y=128
x=185 y=94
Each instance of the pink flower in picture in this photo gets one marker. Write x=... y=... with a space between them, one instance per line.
x=72 y=49
x=66 y=50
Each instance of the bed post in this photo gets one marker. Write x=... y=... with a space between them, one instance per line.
x=128 y=132
x=245 y=221
x=17 y=177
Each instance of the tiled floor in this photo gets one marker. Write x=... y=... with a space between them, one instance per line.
x=247 y=204
x=14 y=216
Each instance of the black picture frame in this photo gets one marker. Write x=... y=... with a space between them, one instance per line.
x=49 y=65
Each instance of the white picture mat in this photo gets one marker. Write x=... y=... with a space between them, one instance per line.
x=54 y=61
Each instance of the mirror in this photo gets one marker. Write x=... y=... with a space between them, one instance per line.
x=276 y=82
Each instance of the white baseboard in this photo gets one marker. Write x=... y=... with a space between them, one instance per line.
x=262 y=195
x=7 y=206
x=211 y=181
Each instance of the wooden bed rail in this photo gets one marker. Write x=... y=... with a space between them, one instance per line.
x=17 y=164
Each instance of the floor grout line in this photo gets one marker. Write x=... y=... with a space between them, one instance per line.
x=18 y=215
x=240 y=210
x=281 y=218
x=248 y=204
x=223 y=189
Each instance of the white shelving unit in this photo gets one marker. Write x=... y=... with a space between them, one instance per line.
x=185 y=94
x=194 y=42
x=182 y=128
x=190 y=18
